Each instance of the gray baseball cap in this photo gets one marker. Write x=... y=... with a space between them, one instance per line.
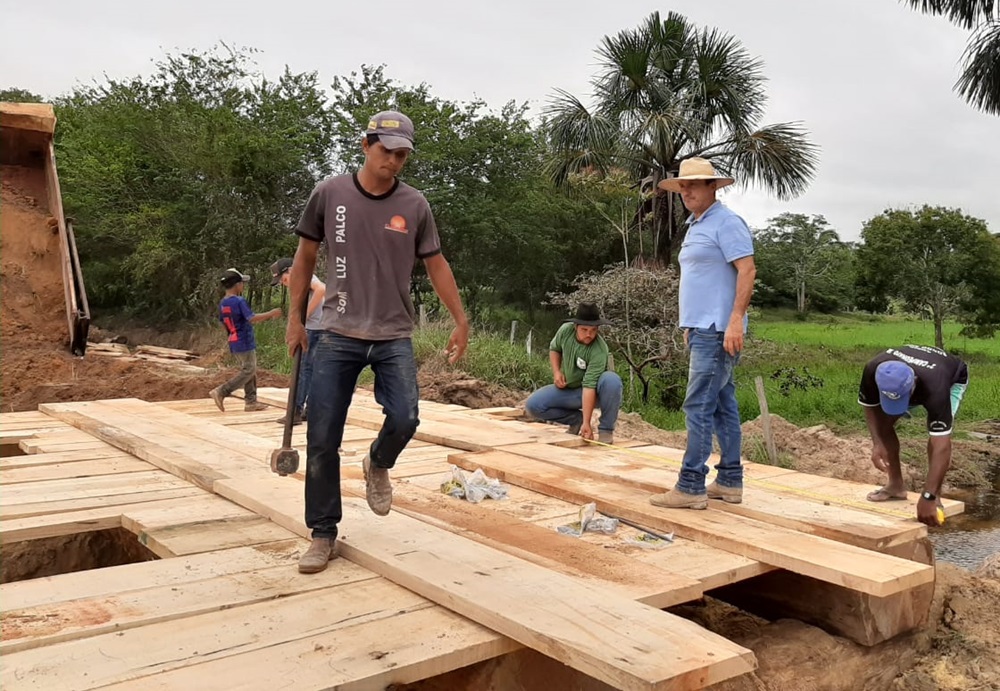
x=394 y=130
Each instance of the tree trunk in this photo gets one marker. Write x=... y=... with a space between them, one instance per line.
x=801 y=297
x=938 y=333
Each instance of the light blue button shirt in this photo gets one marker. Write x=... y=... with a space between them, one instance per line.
x=708 y=277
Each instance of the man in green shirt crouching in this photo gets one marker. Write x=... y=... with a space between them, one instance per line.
x=581 y=380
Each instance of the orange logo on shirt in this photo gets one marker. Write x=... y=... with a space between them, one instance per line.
x=397 y=224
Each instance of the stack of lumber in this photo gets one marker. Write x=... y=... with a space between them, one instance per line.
x=170 y=357
x=491 y=579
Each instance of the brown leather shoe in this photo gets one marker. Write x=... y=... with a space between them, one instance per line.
x=219 y=399
x=378 y=488
x=605 y=436
x=730 y=495
x=255 y=406
x=297 y=418
x=321 y=552
x=675 y=499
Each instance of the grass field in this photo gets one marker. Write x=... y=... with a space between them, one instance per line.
x=810 y=368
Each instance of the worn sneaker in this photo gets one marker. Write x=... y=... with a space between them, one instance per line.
x=297 y=418
x=254 y=406
x=675 y=499
x=378 y=489
x=320 y=553
x=219 y=399
x=730 y=495
x=605 y=436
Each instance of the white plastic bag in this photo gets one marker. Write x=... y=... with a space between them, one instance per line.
x=473 y=488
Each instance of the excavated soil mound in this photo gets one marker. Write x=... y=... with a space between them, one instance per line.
x=37 y=366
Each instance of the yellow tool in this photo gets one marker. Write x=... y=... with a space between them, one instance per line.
x=940 y=515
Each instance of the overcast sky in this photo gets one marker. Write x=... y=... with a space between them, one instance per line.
x=871 y=79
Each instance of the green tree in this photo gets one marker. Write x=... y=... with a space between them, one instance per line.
x=666 y=91
x=804 y=257
x=203 y=165
x=979 y=83
x=16 y=95
x=509 y=236
x=938 y=261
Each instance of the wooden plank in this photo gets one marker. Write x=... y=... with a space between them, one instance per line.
x=380 y=654
x=78 y=469
x=176 y=512
x=40 y=459
x=521 y=503
x=117 y=580
x=167 y=352
x=456 y=432
x=840 y=523
x=578 y=624
x=43 y=625
x=55 y=524
x=196 y=640
x=39 y=507
x=653 y=586
x=803 y=485
x=79 y=488
x=194 y=538
x=43 y=445
x=25 y=418
x=147 y=441
x=846 y=565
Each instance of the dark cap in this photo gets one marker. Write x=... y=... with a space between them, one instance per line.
x=588 y=314
x=278 y=268
x=394 y=130
x=233 y=276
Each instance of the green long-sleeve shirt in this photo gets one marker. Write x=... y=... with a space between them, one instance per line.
x=582 y=365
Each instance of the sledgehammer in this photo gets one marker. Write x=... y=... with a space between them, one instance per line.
x=285 y=461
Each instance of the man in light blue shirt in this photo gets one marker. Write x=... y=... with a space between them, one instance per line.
x=717 y=274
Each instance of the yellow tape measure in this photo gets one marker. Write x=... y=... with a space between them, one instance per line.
x=865 y=506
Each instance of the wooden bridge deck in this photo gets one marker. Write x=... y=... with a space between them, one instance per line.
x=438 y=584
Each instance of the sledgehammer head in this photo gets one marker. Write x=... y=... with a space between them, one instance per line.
x=284 y=461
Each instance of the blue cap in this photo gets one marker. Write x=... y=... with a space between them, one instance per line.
x=895 y=384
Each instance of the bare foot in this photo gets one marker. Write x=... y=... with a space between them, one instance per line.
x=885 y=494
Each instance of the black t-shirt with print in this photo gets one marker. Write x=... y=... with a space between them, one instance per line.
x=935 y=372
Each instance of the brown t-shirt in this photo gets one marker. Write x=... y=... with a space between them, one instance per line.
x=372 y=245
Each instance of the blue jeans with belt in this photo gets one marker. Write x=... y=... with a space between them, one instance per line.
x=710 y=406
x=337 y=362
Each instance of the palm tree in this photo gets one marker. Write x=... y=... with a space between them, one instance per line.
x=980 y=80
x=667 y=91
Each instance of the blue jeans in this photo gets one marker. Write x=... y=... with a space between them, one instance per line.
x=565 y=406
x=337 y=362
x=710 y=405
x=306 y=370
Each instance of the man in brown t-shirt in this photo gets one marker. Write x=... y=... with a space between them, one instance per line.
x=375 y=228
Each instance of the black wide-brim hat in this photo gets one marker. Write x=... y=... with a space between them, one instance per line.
x=588 y=314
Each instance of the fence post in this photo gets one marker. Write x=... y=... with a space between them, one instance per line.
x=528 y=343
x=765 y=419
x=423 y=316
x=513 y=331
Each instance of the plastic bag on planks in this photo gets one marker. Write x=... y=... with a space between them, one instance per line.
x=473 y=488
x=590 y=522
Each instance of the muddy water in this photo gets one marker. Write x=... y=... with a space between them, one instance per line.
x=968 y=539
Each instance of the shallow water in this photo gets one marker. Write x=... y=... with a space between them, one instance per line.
x=967 y=540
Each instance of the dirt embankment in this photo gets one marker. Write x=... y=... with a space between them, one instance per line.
x=37 y=366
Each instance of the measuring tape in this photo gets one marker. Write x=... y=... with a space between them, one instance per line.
x=865 y=506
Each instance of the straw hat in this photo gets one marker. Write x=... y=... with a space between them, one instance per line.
x=695 y=169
